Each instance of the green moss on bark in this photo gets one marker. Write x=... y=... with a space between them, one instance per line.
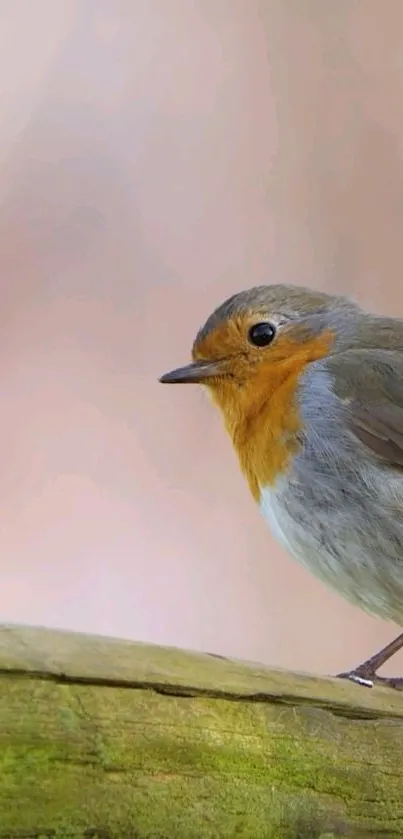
x=138 y=761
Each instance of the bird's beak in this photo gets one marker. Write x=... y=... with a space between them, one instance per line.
x=194 y=373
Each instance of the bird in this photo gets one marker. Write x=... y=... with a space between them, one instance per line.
x=310 y=388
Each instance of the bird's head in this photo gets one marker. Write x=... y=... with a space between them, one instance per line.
x=250 y=354
x=253 y=333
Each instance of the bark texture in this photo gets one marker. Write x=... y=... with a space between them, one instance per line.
x=101 y=737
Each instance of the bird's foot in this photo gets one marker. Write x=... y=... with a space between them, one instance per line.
x=354 y=676
x=367 y=673
x=369 y=680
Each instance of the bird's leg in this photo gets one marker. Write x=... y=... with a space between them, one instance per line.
x=366 y=673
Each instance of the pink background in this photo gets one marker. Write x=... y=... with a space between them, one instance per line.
x=156 y=157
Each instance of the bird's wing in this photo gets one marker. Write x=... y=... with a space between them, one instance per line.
x=370 y=383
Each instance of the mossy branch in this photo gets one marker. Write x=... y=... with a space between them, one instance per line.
x=106 y=738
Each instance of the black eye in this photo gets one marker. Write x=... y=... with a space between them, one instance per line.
x=261 y=334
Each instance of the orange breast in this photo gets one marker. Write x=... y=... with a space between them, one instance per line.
x=262 y=417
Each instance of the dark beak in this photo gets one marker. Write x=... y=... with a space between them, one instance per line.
x=193 y=373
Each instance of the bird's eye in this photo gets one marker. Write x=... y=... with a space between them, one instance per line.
x=261 y=334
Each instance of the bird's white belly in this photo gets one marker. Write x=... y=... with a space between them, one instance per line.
x=300 y=543
x=277 y=521
x=350 y=570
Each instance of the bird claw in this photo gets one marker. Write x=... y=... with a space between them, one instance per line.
x=359 y=680
x=382 y=681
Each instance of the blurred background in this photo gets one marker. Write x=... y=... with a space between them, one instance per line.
x=155 y=158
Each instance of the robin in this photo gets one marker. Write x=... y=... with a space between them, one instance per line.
x=310 y=387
